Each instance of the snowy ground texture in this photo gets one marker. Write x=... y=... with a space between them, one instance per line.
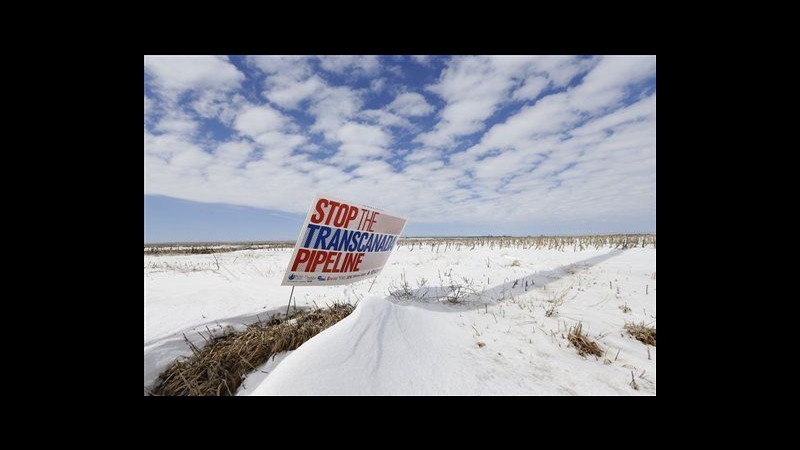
x=496 y=341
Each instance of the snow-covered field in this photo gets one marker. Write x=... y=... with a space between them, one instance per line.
x=496 y=341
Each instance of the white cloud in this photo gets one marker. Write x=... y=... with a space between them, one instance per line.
x=181 y=154
x=290 y=83
x=644 y=109
x=233 y=153
x=377 y=85
x=395 y=70
x=176 y=122
x=294 y=67
x=549 y=115
x=373 y=169
x=560 y=70
x=423 y=155
x=410 y=104
x=288 y=92
x=276 y=139
x=355 y=132
x=422 y=59
x=475 y=87
x=255 y=120
x=333 y=107
x=223 y=106
x=173 y=75
x=605 y=85
x=531 y=88
x=385 y=119
x=351 y=65
x=360 y=141
x=290 y=79
x=576 y=154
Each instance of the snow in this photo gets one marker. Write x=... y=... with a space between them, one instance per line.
x=254 y=379
x=392 y=346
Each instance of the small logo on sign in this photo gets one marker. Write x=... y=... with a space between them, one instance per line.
x=292 y=276
x=321 y=278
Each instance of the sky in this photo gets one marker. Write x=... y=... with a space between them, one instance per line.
x=236 y=147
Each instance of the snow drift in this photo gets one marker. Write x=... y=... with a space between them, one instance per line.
x=387 y=349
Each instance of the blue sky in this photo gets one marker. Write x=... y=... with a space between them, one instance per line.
x=236 y=147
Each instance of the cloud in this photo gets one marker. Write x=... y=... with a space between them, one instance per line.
x=290 y=84
x=397 y=71
x=255 y=120
x=290 y=79
x=378 y=85
x=177 y=122
x=385 y=119
x=423 y=155
x=232 y=154
x=643 y=110
x=519 y=140
x=220 y=105
x=605 y=85
x=472 y=87
x=173 y=76
x=549 y=115
x=356 y=66
x=332 y=107
x=360 y=142
x=531 y=88
x=354 y=132
x=288 y=92
x=394 y=115
x=421 y=59
x=179 y=152
x=296 y=67
x=410 y=104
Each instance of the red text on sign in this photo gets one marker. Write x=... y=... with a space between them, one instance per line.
x=341 y=213
x=335 y=262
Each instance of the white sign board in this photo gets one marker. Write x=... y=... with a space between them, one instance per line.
x=342 y=242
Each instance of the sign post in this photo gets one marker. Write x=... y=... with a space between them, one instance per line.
x=290 y=303
x=340 y=243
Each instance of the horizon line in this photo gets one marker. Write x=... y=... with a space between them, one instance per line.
x=409 y=237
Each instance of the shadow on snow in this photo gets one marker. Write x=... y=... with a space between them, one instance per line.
x=435 y=297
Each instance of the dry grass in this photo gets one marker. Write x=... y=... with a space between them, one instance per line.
x=642 y=332
x=537 y=242
x=556 y=301
x=582 y=342
x=220 y=366
x=438 y=244
x=203 y=248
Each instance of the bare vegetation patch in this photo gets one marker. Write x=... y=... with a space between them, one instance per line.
x=642 y=332
x=212 y=247
x=561 y=243
x=220 y=366
x=556 y=301
x=438 y=244
x=583 y=343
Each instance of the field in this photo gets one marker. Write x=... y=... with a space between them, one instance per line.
x=485 y=316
